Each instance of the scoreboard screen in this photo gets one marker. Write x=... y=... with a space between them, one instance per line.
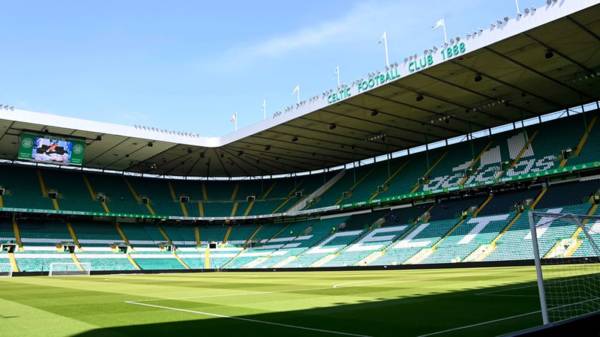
x=51 y=149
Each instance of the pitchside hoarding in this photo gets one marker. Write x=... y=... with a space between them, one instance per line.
x=51 y=149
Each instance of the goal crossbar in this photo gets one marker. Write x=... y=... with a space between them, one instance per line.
x=69 y=268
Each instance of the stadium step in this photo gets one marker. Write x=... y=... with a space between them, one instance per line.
x=133 y=263
x=480 y=253
x=492 y=245
x=355 y=185
x=249 y=207
x=268 y=191
x=204 y=192
x=44 y=190
x=406 y=233
x=252 y=236
x=425 y=253
x=474 y=163
x=201 y=208
x=561 y=247
x=180 y=260
x=389 y=180
x=164 y=234
x=17 y=231
x=524 y=149
x=76 y=261
x=429 y=170
x=324 y=260
x=93 y=194
x=288 y=197
x=227 y=234
x=73 y=234
x=583 y=140
x=482 y=206
x=150 y=208
x=132 y=190
x=13 y=262
x=577 y=242
x=172 y=192
x=234 y=194
x=447 y=235
x=573 y=248
x=234 y=208
x=370 y=258
x=420 y=256
x=255 y=263
x=184 y=209
x=285 y=262
x=197 y=236
x=318 y=192
x=122 y=234
x=207 y=258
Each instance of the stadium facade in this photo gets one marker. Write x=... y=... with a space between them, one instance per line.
x=437 y=159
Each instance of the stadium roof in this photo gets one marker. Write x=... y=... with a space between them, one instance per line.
x=544 y=60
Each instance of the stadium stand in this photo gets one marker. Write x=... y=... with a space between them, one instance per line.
x=464 y=206
x=446 y=231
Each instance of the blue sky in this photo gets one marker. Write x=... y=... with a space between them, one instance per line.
x=188 y=65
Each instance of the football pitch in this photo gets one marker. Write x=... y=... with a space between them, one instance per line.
x=442 y=302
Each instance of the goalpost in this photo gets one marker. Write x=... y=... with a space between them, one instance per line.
x=69 y=269
x=6 y=270
x=566 y=250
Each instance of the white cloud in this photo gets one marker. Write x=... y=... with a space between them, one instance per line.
x=367 y=18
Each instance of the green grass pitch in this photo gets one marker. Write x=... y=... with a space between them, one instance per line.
x=443 y=302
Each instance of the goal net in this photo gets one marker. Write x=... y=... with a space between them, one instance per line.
x=6 y=270
x=69 y=269
x=567 y=258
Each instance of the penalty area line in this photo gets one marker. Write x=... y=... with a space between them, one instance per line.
x=195 y=312
x=508 y=318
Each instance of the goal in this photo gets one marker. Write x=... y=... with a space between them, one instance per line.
x=566 y=250
x=6 y=270
x=69 y=269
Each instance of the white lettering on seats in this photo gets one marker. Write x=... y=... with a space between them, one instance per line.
x=407 y=241
x=320 y=248
x=543 y=224
x=481 y=222
x=375 y=237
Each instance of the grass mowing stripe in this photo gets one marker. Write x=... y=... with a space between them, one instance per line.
x=508 y=318
x=480 y=324
x=246 y=319
x=287 y=291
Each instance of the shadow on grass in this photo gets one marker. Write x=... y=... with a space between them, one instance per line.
x=407 y=316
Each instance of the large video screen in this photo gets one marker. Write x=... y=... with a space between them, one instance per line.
x=51 y=149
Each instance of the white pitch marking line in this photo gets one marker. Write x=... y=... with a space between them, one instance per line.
x=245 y=319
x=480 y=324
x=506 y=318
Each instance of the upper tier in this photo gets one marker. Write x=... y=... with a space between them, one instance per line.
x=481 y=161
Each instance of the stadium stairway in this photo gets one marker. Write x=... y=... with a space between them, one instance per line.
x=566 y=247
x=357 y=249
x=409 y=224
x=386 y=183
x=13 y=262
x=16 y=231
x=73 y=234
x=582 y=142
x=455 y=247
x=482 y=252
